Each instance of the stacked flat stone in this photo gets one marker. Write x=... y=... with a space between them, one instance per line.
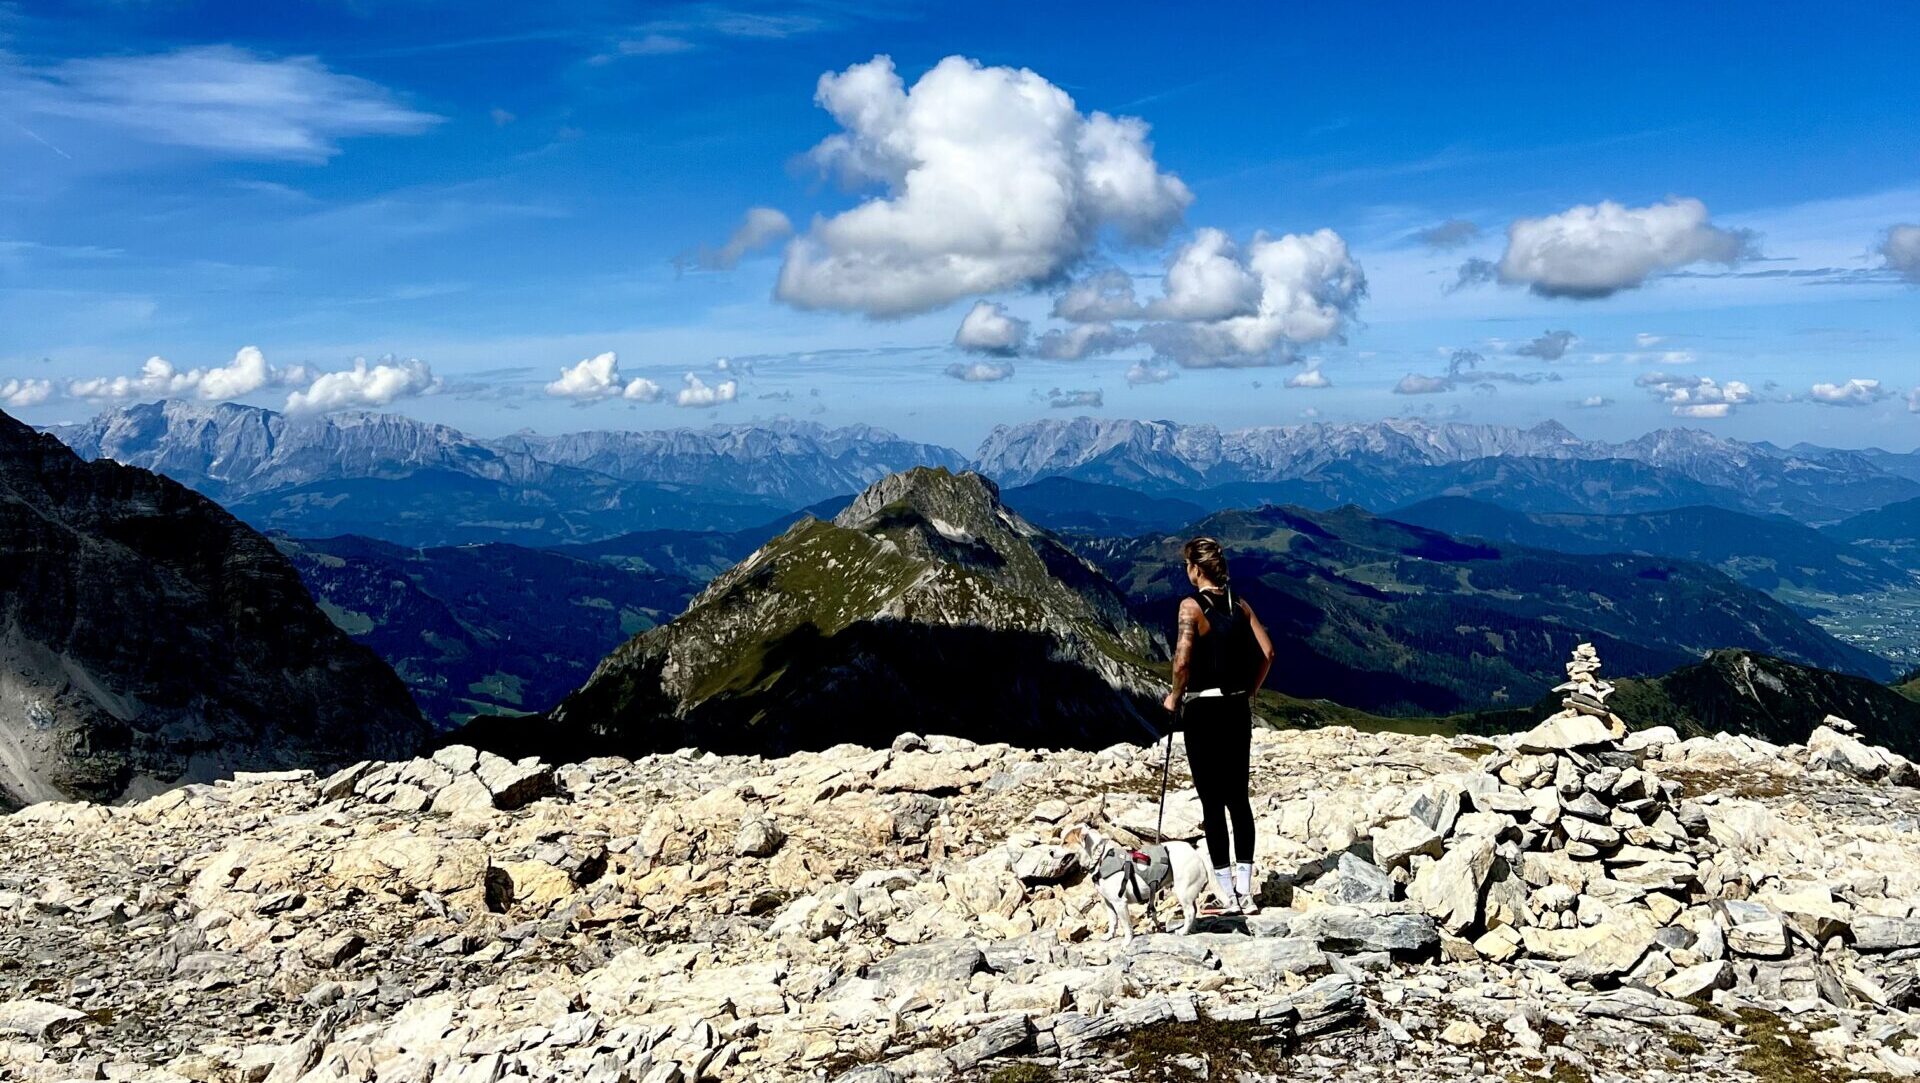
x=1566 y=850
x=1560 y=845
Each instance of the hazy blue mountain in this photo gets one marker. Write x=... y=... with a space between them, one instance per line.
x=149 y=637
x=229 y=451
x=1389 y=617
x=483 y=628
x=1765 y=552
x=414 y=483
x=792 y=463
x=1892 y=531
x=1378 y=464
x=1064 y=504
x=443 y=507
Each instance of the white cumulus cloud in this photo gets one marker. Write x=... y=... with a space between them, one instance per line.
x=699 y=394
x=1208 y=281
x=598 y=377
x=1901 y=249
x=380 y=384
x=1696 y=396
x=988 y=329
x=247 y=373
x=17 y=394
x=980 y=372
x=1596 y=251
x=1414 y=383
x=1312 y=378
x=1224 y=306
x=992 y=177
x=1141 y=372
x=1913 y=401
x=1855 y=392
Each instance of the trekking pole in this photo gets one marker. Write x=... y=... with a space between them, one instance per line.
x=1166 y=766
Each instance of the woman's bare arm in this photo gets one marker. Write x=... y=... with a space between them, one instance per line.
x=1266 y=644
x=1190 y=619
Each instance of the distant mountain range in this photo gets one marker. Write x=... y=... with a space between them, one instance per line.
x=926 y=605
x=417 y=484
x=414 y=483
x=147 y=637
x=1386 y=463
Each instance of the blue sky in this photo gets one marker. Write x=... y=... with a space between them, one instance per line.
x=1708 y=205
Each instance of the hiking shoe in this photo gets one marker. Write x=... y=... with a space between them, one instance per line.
x=1246 y=905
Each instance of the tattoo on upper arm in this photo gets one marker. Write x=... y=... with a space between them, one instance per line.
x=1189 y=629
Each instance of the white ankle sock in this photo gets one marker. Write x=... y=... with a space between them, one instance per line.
x=1243 y=879
x=1223 y=883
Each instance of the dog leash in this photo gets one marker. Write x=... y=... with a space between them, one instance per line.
x=1166 y=767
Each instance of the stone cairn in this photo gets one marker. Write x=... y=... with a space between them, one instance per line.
x=1566 y=847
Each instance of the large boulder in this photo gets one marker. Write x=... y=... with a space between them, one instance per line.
x=1449 y=889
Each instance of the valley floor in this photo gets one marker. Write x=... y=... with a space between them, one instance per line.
x=884 y=915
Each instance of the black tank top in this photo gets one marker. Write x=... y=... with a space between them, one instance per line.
x=1222 y=657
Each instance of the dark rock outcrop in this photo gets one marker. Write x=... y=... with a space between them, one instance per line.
x=148 y=637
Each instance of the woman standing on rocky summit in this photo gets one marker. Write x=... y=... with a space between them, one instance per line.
x=1222 y=655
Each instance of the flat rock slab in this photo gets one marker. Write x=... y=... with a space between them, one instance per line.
x=1351 y=928
x=37 y=1019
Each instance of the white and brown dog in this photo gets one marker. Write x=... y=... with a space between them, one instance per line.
x=1122 y=881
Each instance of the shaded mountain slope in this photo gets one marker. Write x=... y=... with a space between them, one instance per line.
x=1892 y=531
x=443 y=507
x=483 y=628
x=926 y=605
x=1764 y=552
x=1058 y=503
x=1392 y=618
x=148 y=637
x=1751 y=693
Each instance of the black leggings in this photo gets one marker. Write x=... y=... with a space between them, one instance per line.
x=1219 y=738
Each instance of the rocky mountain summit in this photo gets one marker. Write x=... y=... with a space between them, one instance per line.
x=924 y=599
x=147 y=637
x=1569 y=903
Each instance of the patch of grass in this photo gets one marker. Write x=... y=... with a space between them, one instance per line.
x=1475 y=751
x=1756 y=785
x=1205 y=1049
x=1684 y=1043
x=1568 y=1072
x=1774 y=1054
x=1023 y=1072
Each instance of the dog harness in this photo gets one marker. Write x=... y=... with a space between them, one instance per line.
x=1146 y=871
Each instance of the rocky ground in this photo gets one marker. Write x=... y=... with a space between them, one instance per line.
x=1561 y=906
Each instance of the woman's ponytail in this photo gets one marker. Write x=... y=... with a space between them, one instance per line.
x=1206 y=554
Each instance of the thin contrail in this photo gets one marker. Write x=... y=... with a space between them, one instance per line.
x=40 y=139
